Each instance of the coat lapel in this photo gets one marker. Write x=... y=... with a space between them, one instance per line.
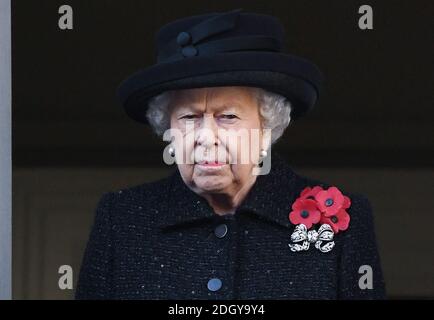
x=271 y=196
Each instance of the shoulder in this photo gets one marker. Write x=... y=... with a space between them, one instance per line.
x=134 y=202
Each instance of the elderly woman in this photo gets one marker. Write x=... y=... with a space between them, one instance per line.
x=232 y=221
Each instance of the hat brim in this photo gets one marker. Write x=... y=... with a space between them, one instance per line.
x=295 y=78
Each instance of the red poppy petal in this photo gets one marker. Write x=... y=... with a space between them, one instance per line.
x=316 y=216
x=298 y=204
x=326 y=220
x=331 y=211
x=312 y=192
x=308 y=224
x=343 y=225
x=331 y=193
x=342 y=214
x=334 y=227
x=309 y=204
x=347 y=202
x=337 y=196
x=304 y=204
x=317 y=189
x=335 y=192
x=323 y=220
x=344 y=218
x=321 y=196
x=294 y=217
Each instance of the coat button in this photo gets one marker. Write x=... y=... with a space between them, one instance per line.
x=183 y=38
x=214 y=284
x=221 y=230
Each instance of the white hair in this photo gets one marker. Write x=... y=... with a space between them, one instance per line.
x=275 y=111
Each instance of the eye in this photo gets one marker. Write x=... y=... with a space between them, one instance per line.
x=229 y=116
x=189 y=116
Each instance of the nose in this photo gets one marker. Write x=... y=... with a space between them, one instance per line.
x=207 y=132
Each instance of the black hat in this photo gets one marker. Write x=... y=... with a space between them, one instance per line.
x=234 y=48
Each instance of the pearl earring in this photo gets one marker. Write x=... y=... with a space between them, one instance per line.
x=171 y=151
x=263 y=153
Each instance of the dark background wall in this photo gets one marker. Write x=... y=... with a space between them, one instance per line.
x=371 y=132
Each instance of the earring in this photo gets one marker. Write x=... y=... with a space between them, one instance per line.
x=171 y=151
x=262 y=154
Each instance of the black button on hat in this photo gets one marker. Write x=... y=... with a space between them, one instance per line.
x=183 y=38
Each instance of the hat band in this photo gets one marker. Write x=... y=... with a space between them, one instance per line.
x=261 y=43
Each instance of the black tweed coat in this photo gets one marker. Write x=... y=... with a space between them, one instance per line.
x=160 y=240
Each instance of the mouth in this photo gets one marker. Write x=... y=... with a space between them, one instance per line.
x=210 y=164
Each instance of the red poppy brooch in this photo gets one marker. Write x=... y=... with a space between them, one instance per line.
x=318 y=207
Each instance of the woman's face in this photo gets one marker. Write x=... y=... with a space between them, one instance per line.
x=221 y=137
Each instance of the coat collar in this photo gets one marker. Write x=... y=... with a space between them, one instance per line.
x=270 y=198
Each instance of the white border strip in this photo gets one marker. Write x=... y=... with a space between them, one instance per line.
x=5 y=152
